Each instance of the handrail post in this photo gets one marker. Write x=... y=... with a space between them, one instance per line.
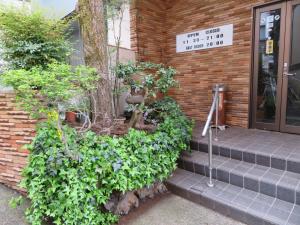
x=208 y=128
x=217 y=113
x=210 y=183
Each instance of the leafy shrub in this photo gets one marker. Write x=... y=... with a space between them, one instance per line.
x=28 y=39
x=158 y=110
x=155 y=77
x=42 y=90
x=71 y=185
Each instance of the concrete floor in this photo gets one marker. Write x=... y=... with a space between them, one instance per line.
x=166 y=210
x=8 y=215
x=174 y=210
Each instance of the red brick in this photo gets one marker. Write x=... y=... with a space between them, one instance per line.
x=16 y=130
x=154 y=26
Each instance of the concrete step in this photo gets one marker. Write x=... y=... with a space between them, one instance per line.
x=244 y=205
x=276 y=183
x=275 y=156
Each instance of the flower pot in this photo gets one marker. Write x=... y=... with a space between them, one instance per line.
x=71 y=117
x=160 y=95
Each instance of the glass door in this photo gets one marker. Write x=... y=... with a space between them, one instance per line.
x=290 y=119
x=268 y=66
x=276 y=78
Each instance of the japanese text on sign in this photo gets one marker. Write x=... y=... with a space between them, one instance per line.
x=204 y=39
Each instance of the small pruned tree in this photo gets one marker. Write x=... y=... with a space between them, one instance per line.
x=54 y=90
x=145 y=81
x=28 y=39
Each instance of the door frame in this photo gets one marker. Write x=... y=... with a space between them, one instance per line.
x=255 y=61
x=287 y=54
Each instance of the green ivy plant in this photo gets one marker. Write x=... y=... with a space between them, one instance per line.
x=71 y=186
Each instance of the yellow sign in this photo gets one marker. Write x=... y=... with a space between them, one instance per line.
x=269 y=47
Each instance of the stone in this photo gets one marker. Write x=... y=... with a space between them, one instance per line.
x=112 y=203
x=160 y=188
x=121 y=204
x=127 y=202
x=147 y=192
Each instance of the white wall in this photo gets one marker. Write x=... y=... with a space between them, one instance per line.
x=113 y=30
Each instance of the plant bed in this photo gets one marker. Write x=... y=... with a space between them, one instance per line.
x=72 y=174
x=72 y=184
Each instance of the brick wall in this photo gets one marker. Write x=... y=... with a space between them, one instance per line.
x=155 y=24
x=148 y=32
x=16 y=129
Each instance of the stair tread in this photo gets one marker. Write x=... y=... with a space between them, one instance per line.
x=234 y=169
x=239 y=203
x=239 y=167
x=276 y=156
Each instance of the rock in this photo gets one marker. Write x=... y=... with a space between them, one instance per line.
x=127 y=202
x=160 y=188
x=111 y=205
x=147 y=192
x=121 y=204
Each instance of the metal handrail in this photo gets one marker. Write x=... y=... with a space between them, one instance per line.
x=211 y=112
x=207 y=127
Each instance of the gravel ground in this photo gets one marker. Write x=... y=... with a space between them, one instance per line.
x=163 y=210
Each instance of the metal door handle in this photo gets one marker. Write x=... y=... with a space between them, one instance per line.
x=289 y=74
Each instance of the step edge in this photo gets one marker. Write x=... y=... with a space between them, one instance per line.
x=211 y=203
x=243 y=176
x=288 y=164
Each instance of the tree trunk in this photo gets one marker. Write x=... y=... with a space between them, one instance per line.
x=92 y=19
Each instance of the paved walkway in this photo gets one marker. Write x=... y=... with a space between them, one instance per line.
x=174 y=210
x=8 y=215
x=168 y=210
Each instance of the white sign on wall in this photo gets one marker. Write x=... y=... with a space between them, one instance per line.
x=205 y=39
